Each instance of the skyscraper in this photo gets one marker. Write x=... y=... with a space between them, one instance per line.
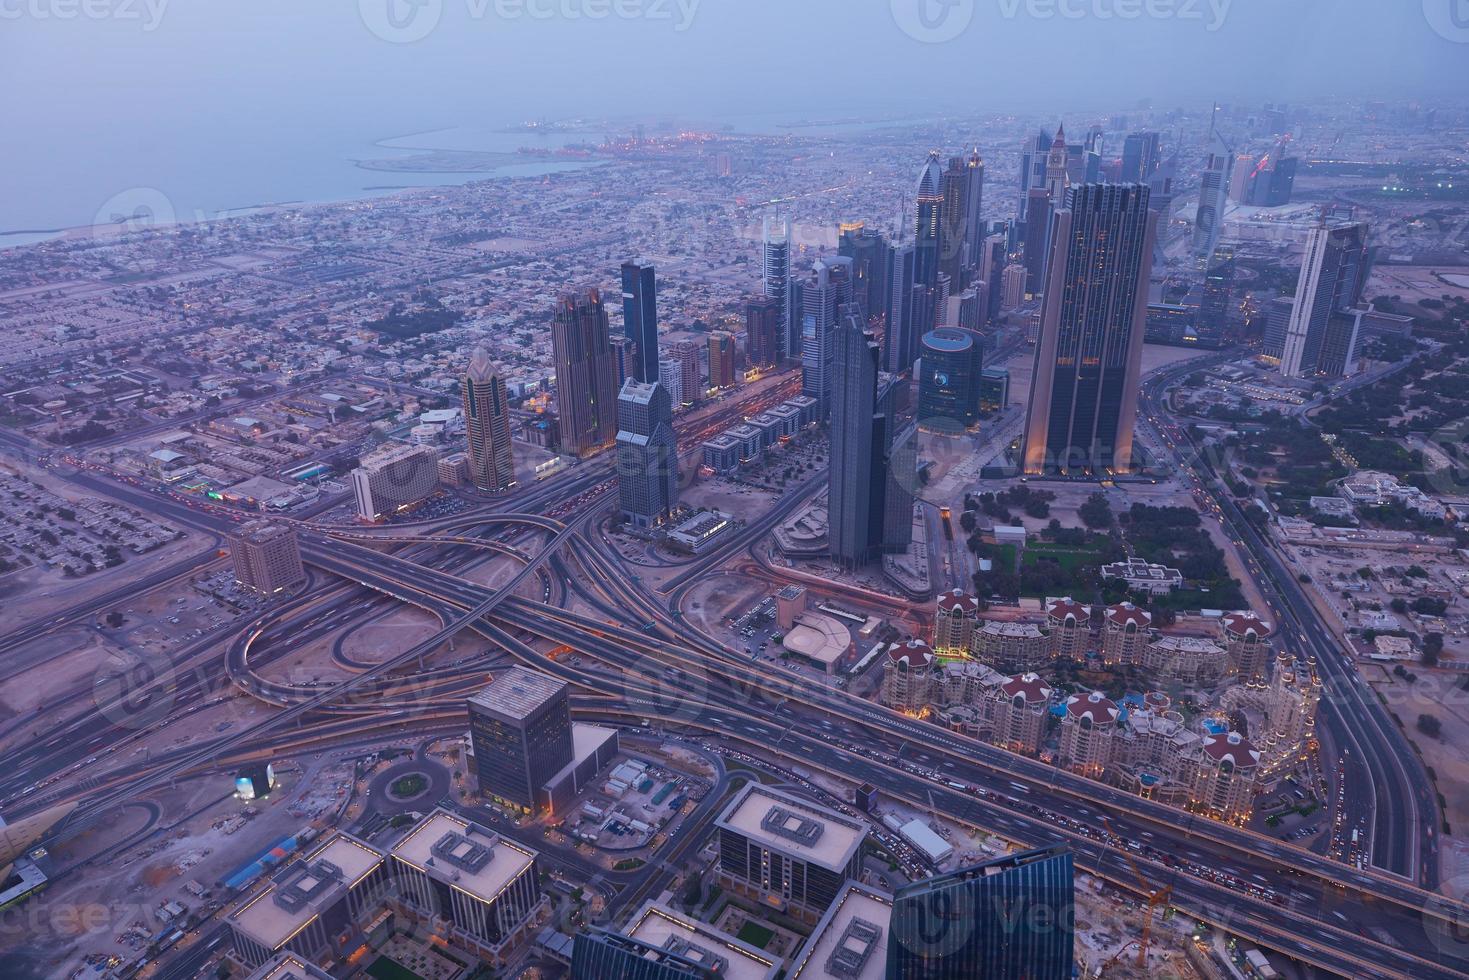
x=1213 y=194
x=823 y=296
x=691 y=375
x=722 y=357
x=640 y=317
x=487 y=425
x=775 y=277
x=900 y=339
x=1083 y=399
x=647 y=454
x=1139 y=157
x=1037 y=229
x=1033 y=153
x=520 y=731
x=1333 y=272
x=1214 y=304
x=1008 y=919
x=586 y=392
x=948 y=385
x=868 y=251
x=928 y=227
x=762 y=331
x=869 y=483
x=960 y=185
x=267 y=557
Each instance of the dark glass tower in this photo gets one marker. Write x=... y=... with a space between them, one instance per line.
x=586 y=377
x=1088 y=360
x=520 y=730
x=640 y=317
x=928 y=228
x=868 y=252
x=1213 y=321
x=1334 y=269
x=948 y=385
x=1009 y=919
x=602 y=955
x=762 y=330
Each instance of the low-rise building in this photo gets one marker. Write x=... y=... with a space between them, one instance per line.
x=1190 y=661
x=1144 y=576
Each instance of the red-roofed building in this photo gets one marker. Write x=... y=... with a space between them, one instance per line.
x=1087 y=731
x=1022 y=703
x=907 y=676
x=1125 y=632
x=1247 y=645
x=1070 y=624
x=956 y=614
x=1224 y=781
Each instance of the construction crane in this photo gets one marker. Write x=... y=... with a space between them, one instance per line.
x=1156 y=897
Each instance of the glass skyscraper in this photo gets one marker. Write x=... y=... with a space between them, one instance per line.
x=640 y=317
x=1008 y=919
x=1088 y=360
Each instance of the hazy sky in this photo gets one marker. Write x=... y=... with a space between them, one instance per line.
x=218 y=104
x=141 y=61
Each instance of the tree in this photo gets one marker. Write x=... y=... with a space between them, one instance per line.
x=1430 y=725
x=1427 y=605
x=1096 y=512
x=1432 y=649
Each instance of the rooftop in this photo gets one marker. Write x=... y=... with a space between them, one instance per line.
x=851 y=941
x=793 y=826
x=303 y=888
x=475 y=860
x=729 y=959
x=518 y=692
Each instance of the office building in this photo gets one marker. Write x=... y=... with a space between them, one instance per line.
x=723 y=360
x=786 y=852
x=1140 y=156
x=487 y=425
x=640 y=317
x=600 y=954
x=670 y=370
x=521 y=735
x=393 y=478
x=647 y=454
x=1037 y=233
x=948 y=385
x=762 y=332
x=467 y=884
x=316 y=907
x=870 y=504
x=1320 y=338
x=723 y=956
x=1213 y=323
x=690 y=372
x=1012 y=286
x=962 y=186
x=900 y=339
x=1083 y=399
x=267 y=557
x=851 y=940
x=822 y=298
x=994 y=389
x=1007 y=919
x=1277 y=323
x=775 y=278
x=1213 y=191
x=868 y=251
x=928 y=224
x=624 y=359
x=289 y=966
x=1033 y=153
x=586 y=392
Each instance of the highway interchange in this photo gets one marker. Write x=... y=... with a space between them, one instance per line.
x=1358 y=923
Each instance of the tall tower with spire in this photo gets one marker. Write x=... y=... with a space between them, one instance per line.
x=928 y=228
x=487 y=425
x=1057 y=180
